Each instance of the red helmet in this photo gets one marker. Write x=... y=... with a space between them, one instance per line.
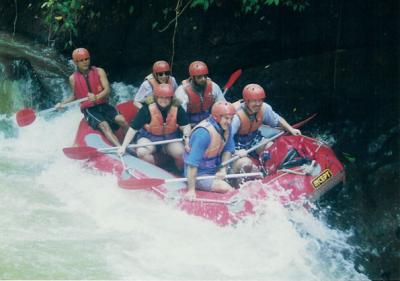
x=161 y=66
x=164 y=90
x=221 y=108
x=80 y=54
x=198 y=68
x=253 y=92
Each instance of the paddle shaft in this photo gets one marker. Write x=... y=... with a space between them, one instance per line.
x=67 y=104
x=110 y=149
x=230 y=176
x=261 y=143
x=265 y=141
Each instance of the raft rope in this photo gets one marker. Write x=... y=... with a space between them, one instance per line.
x=304 y=170
x=121 y=157
x=231 y=201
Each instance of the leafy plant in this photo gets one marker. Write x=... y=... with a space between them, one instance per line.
x=254 y=6
x=349 y=157
x=61 y=18
x=202 y=3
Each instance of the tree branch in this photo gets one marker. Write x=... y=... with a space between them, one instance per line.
x=16 y=18
x=177 y=14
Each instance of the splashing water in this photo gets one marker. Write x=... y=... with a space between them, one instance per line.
x=62 y=220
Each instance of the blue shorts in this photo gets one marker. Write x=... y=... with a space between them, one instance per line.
x=205 y=185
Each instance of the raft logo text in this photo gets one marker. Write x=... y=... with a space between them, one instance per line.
x=326 y=175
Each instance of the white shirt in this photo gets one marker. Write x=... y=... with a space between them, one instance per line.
x=146 y=90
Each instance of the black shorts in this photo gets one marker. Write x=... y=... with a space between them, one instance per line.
x=99 y=113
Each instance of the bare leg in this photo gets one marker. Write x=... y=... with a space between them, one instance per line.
x=108 y=133
x=120 y=120
x=239 y=164
x=176 y=150
x=221 y=186
x=146 y=153
x=262 y=148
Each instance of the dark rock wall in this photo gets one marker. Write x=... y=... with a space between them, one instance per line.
x=126 y=45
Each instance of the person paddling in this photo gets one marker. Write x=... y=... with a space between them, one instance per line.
x=211 y=143
x=252 y=112
x=158 y=120
x=91 y=82
x=161 y=75
x=198 y=93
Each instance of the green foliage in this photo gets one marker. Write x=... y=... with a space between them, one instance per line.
x=254 y=6
x=154 y=25
x=61 y=17
x=202 y=3
x=131 y=9
x=349 y=157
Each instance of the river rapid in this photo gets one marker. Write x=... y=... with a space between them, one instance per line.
x=60 y=219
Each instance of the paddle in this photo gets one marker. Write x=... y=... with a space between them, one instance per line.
x=26 y=116
x=133 y=183
x=85 y=152
x=265 y=141
x=232 y=79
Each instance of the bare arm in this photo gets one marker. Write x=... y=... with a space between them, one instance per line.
x=217 y=92
x=104 y=83
x=191 y=175
x=127 y=140
x=284 y=124
x=71 y=97
x=186 y=133
x=222 y=171
x=182 y=97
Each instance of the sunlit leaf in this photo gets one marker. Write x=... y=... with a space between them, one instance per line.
x=349 y=157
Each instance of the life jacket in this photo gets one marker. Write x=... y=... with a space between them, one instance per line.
x=212 y=154
x=157 y=126
x=154 y=83
x=198 y=103
x=247 y=126
x=81 y=88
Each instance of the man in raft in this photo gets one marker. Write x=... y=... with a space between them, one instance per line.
x=91 y=82
x=198 y=93
x=211 y=143
x=158 y=120
x=251 y=113
x=161 y=74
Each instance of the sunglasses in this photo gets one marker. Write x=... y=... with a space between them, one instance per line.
x=166 y=73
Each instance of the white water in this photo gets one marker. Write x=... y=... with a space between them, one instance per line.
x=61 y=220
